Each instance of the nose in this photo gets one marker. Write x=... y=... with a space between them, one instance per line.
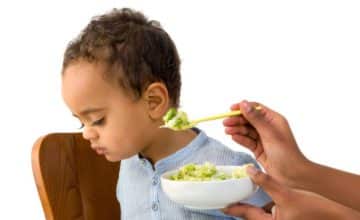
x=89 y=134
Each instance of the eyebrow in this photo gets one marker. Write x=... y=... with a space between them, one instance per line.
x=89 y=111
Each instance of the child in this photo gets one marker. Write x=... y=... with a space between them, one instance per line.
x=119 y=78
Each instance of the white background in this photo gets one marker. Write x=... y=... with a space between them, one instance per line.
x=300 y=58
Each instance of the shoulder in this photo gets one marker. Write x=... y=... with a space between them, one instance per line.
x=131 y=166
x=218 y=152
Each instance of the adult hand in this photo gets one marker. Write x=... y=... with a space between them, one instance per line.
x=268 y=135
x=290 y=204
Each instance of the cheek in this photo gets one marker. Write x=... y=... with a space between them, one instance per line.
x=139 y=124
x=129 y=134
x=126 y=145
x=129 y=130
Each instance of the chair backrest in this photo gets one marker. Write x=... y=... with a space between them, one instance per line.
x=72 y=180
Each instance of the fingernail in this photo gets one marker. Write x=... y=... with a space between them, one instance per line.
x=247 y=106
x=251 y=170
x=273 y=211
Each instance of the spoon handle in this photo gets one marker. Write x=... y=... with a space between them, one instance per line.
x=218 y=116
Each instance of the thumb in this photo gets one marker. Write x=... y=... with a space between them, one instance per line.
x=259 y=116
x=276 y=191
x=247 y=212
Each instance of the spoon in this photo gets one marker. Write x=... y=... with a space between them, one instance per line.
x=179 y=121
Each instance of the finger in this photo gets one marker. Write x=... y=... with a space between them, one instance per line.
x=243 y=130
x=251 y=144
x=252 y=133
x=259 y=153
x=259 y=118
x=234 y=121
x=245 y=141
x=276 y=191
x=247 y=212
x=235 y=106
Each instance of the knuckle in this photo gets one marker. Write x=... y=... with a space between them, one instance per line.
x=261 y=177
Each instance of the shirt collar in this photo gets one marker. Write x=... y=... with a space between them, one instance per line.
x=179 y=155
x=183 y=153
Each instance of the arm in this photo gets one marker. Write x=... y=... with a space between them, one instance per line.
x=268 y=135
x=334 y=184
x=291 y=204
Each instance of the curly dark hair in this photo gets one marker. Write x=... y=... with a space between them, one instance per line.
x=137 y=51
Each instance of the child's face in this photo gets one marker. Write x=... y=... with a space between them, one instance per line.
x=116 y=125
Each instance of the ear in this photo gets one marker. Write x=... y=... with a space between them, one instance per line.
x=157 y=100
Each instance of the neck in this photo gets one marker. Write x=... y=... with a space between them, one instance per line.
x=167 y=142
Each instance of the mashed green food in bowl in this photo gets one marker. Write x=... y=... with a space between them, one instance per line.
x=194 y=185
x=207 y=172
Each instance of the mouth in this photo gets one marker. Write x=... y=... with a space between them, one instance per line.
x=99 y=150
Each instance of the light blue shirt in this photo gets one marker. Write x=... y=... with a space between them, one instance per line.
x=139 y=190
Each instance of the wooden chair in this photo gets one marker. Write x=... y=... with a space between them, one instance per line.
x=74 y=183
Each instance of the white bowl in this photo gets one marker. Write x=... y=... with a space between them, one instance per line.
x=215 y=194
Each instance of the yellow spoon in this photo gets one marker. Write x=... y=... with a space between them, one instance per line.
x=186 y=124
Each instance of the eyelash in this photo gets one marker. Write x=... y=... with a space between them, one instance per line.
x=95 y=123
x=98 y=122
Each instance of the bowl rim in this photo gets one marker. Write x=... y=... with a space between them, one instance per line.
x=163 y=178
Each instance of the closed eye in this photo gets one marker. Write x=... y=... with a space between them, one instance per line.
x=95 y=123
x=81 y=126
x=98 y=122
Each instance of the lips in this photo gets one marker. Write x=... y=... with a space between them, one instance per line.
x=99 y=150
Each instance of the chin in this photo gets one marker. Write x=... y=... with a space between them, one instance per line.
x=116 y=158
x=111 y=159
